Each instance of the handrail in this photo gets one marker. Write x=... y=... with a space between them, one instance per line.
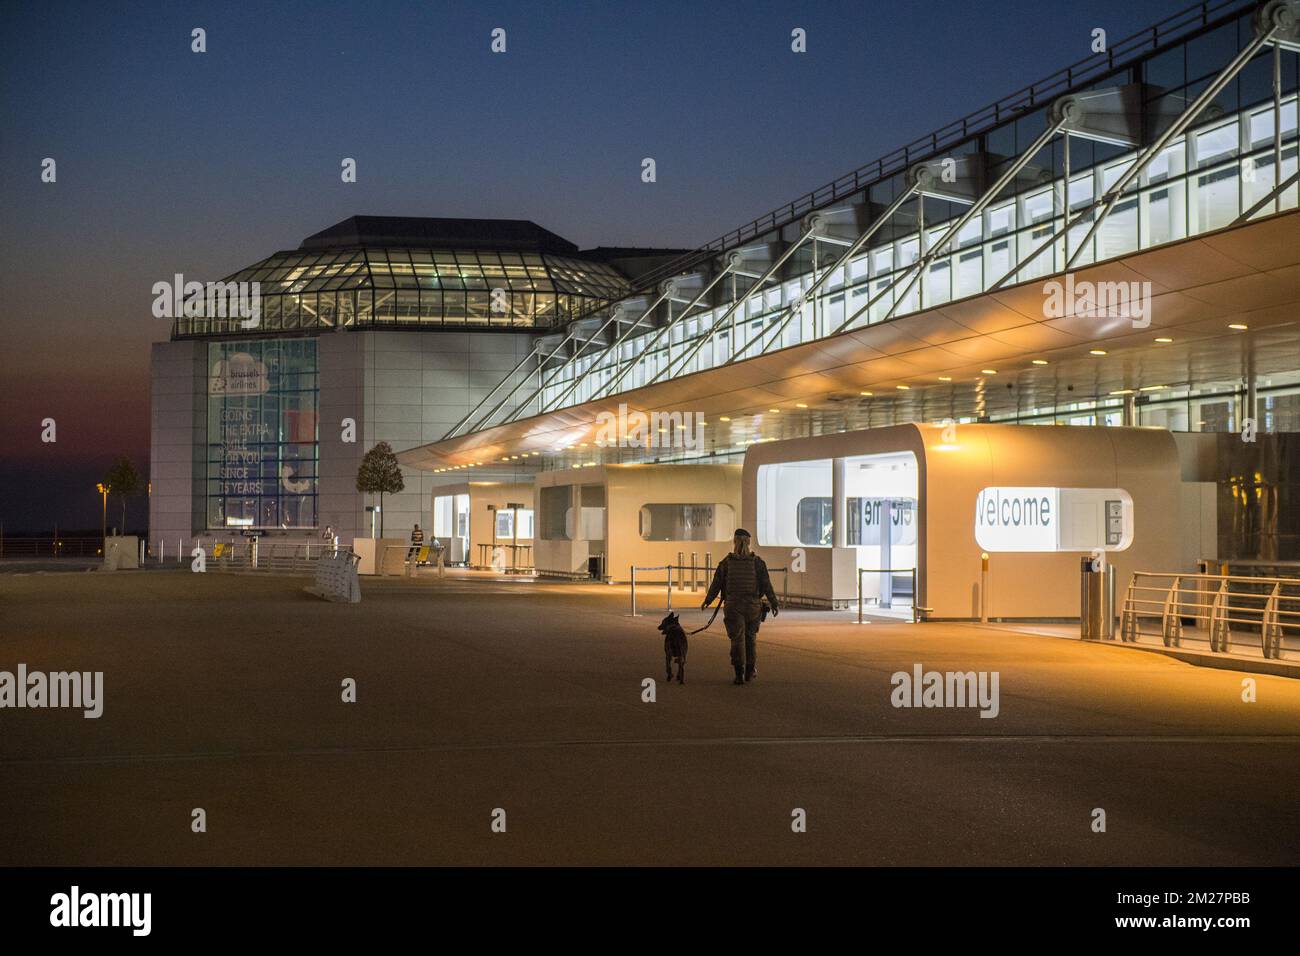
x=1174 y=27
x=891 y=572
x=1216 y=603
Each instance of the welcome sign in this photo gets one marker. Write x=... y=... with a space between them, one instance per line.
x=1018 y=519
x=1053 y=519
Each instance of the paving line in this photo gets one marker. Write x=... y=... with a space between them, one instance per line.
x=633 y=744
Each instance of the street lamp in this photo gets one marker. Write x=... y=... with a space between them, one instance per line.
x=104 y=489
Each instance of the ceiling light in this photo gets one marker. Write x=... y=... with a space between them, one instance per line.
x=1096 y=351
x=800 y=405
x=1040 y=361
x=1123 y=391
x=725 y=418
x=988 y=371
x=945 y=378
x=775 y=411
x=868 y=394
x=1152 y=388
x=1239 y=326
x=1164 y=340
x=903 y=388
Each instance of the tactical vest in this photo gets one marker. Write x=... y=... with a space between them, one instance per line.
x=742 y=578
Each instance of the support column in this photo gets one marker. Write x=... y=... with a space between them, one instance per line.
x=839 y=505
x=1252 y=403
x=1130 y=417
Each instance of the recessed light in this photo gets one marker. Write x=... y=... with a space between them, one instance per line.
x=988 y=371
x=945 y=378
x=903 y=388
x=775 y=411
x=1239 y=326
x=1040 y=361
x=868 y=394
x=800 y=405
x=1164 y=340
x=1096 y=351
x=725 y=418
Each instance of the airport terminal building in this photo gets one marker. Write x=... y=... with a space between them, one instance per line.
x=1116 y=247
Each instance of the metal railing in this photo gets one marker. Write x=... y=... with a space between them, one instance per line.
x=916 y=611
x=239 y=554
x=701 y=576
x=51 y=547
x=1220 y=609
x=1090 y=69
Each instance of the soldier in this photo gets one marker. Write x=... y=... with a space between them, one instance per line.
x=743 y=582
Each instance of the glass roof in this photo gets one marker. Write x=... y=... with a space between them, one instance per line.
x=368 y=287
x=432 y=269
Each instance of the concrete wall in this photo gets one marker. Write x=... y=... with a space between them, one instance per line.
x=485 y=498
x=627 y=488
x=177 y=433
x=1142 y=462
x=406 y=388
x=417 y=385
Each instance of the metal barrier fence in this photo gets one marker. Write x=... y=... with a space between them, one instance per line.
x=51 y=547
x=701 y=576
x=1225 y=609
x=891 y=572
x=240 y=554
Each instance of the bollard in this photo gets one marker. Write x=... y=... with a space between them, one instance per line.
x=162 y=546
x=984 y=588
x=860 y=595
x=693 y=571
x=633 y=579
x=670 y=587
x=142 y=552
x=180 y=551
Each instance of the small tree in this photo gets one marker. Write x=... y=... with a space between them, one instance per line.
x=380 y=474
x=125 y=482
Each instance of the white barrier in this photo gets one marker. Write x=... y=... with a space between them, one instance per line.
x=336 y=578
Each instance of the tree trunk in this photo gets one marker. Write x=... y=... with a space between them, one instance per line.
x=381 y=514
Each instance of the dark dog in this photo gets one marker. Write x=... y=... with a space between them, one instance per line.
x=674 y=646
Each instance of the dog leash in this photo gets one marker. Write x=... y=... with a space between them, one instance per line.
x=711 y=620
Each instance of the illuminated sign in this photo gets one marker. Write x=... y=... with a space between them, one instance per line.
x=1053 y=519
x=239 y=374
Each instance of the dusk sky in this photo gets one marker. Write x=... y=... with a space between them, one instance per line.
x=170 y=161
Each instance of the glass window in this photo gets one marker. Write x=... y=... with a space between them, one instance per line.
x=262 y=434
x=781 y=487
x=687 y=522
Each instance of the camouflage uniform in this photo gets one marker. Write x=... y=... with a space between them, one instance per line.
x=742 y=582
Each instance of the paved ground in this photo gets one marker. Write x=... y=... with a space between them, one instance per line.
x=223 y=692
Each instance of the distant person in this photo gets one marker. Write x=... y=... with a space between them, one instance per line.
x=417 y=539
x=743 y=582
x=327 y=536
